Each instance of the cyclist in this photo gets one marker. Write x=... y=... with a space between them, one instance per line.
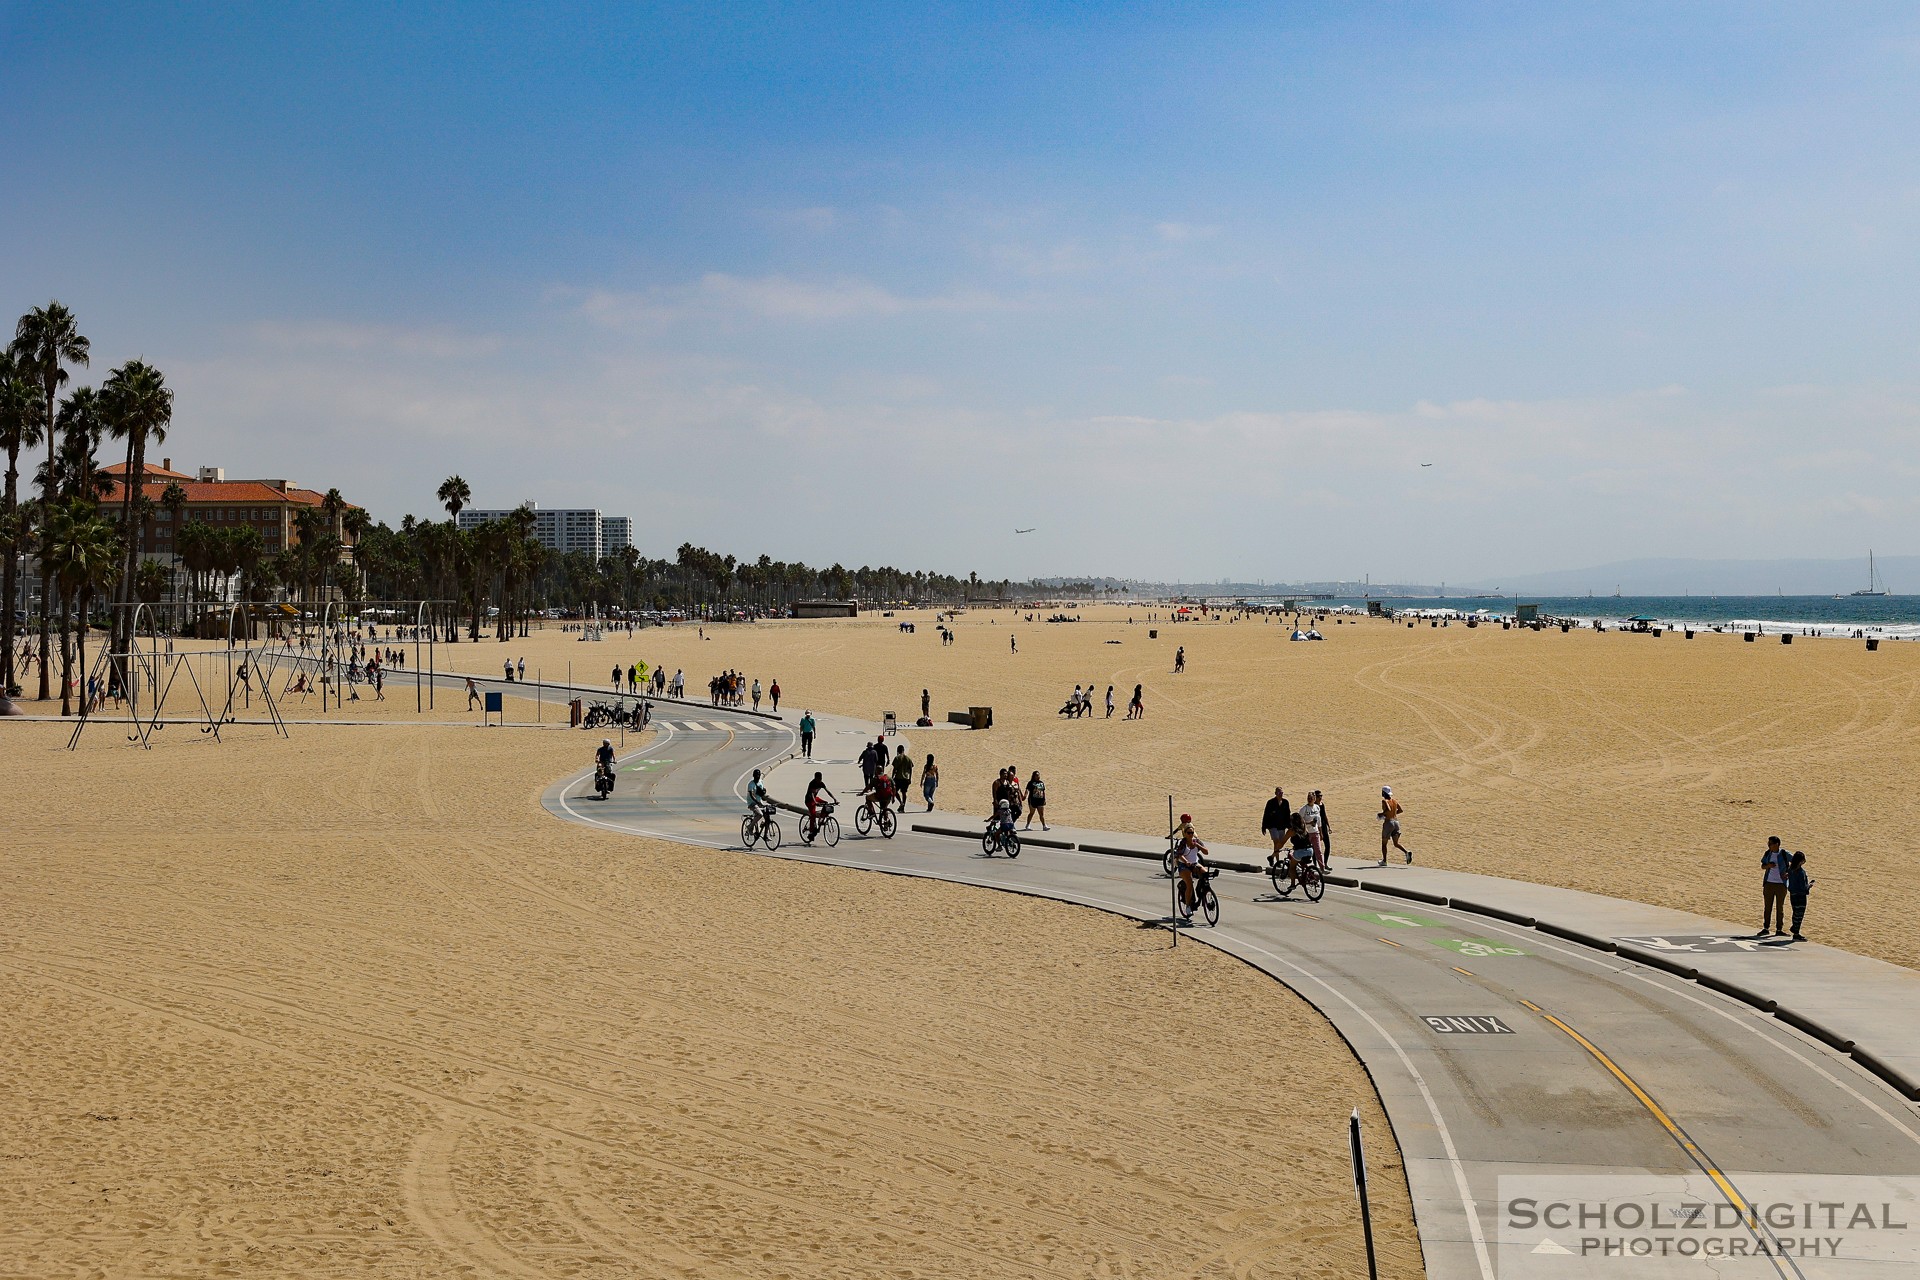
x=603 y=760
x=816 y=789
x=879 y=793
x=1189 y=860
x=1003 y=817
x=759 y=803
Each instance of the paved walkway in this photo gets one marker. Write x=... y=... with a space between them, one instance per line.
x=1501 y=1049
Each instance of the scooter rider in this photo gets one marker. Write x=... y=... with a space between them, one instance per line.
x=603 y=760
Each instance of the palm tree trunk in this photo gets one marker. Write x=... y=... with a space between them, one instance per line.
x=46 y=556
x=10 y=575
x=66 y=654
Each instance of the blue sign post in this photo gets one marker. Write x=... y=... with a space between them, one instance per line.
x=496 y=705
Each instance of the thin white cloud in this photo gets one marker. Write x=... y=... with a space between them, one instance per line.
x=433 y=342
x=1182 y=232
x=718 y=295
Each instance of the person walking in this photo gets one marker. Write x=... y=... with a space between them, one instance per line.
x=1276 y=821
x=926 y=705
x=520 y=670
x=929 y=781
x=1799 y=885
x=773 y=692
x=1037 y=802
x=1136 y=709
x=806 y=735
x=1326 y=830
x=756 y=693
x=902 y=776
x=616 y=678
x=1013 y=643
x=1109 y=702
x=1180 y=660
x=1773 y=889
x=473 y=694
x=1390 y=811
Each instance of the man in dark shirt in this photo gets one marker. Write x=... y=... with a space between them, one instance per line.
x=1277 y=821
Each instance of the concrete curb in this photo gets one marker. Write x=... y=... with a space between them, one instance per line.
x=1765 y=1004
x=1481 y=909
x=1402 y=891
x=1654 y=960
x=1800 y=1022
x=1906 y=1085
x=1577 y=935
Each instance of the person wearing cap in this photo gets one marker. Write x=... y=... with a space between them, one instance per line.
x=1390 y=812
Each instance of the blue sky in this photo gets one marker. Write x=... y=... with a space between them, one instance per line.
x=1192 y=289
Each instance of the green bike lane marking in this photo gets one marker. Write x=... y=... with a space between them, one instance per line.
x=1482 y=948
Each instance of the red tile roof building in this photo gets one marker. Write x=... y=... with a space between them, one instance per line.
x=266 y=505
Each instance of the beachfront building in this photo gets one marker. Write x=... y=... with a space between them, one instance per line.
x=565 y=529
x=269 y=507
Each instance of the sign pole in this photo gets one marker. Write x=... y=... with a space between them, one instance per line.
x=1360 y=1186
x=1173 y=884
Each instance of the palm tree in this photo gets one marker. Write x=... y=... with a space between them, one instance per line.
x=45 y=339
x=138 y=408
x=86 y=554
x=174 y=499
x=22 y=418
x=454 y=495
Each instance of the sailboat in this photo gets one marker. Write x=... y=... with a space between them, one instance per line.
x=1874 y=586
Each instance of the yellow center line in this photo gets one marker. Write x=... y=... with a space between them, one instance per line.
x=1458 y=969
x=1654 y=1109
x=1389 y=941
x=1309 y=915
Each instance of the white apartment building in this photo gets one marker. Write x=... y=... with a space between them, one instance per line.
x=616 y=534
x=564 y=529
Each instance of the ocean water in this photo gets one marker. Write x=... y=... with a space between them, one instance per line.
x=1891 y=616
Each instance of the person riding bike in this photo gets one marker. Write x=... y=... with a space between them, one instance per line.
x=1189 y=861
x=1003 y=816
x=759 y=802
x=879 y=793
x=603 y=760
x=816 y=789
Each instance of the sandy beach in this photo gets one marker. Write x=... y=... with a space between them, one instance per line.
x=1640 y=767
x=353 y=999
x=352 y=1002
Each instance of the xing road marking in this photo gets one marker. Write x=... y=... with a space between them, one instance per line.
x=1466 y=1024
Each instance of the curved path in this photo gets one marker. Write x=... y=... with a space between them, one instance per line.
x=1498 y=1052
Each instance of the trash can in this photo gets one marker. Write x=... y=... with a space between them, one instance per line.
x=1689 y=635
x=1153 y=633
x=1747 y=636
x=1872 y=645
x=981 y=717
x=1786 y=637
x=573 y=713
x=1657 y=633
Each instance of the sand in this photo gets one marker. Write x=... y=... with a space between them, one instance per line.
x=351 y=1003
x=1639 y=767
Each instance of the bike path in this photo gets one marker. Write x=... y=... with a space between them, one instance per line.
x=1599 y=1064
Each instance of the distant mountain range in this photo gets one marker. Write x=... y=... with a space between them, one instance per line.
x=1898 y=574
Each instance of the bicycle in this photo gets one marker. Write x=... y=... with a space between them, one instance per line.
x=824 y=827
x=1206 y=901
x=1297 y=869
x=997 y=839
x=759 y=826
x=864 y=817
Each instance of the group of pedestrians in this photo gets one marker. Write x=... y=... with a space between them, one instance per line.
x=1783 y=880
x=1080 y=702
x=1304 y=831
x=1011 y=797
x=636 y=678
x=889 y=780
